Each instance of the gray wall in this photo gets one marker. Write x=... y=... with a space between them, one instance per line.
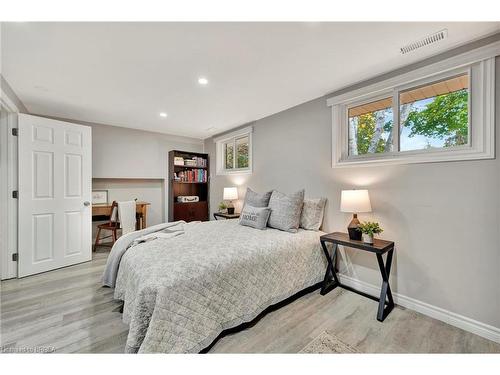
x=134 y=164
x=444 y=217
x=127 y=153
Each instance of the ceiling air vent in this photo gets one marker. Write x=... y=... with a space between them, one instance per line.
x=433 y=38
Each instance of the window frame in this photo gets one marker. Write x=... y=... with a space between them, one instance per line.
x=220 y=156
x=395 y=93
x=481 y=103
x=225 y=145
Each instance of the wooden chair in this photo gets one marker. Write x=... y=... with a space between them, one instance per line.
x=113 y=225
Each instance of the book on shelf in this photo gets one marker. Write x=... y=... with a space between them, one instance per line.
x=191 y=175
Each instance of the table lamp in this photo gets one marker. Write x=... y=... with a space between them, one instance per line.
x=230 y=194
x=355 y=201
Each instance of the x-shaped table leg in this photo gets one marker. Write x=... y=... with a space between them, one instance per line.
x=385 y=292
x=328 y=284
x=385 y=302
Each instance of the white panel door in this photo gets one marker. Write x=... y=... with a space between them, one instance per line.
x=55 y=178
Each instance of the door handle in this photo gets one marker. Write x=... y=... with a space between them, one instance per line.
x=86 y=203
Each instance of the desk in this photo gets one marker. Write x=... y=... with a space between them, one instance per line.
x=141 y=209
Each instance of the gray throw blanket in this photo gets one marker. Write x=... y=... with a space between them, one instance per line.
x=125 y=242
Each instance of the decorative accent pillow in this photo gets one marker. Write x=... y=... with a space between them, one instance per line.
x=255 y=217
x=312 y=213
x=257 y=200
x=285 y=210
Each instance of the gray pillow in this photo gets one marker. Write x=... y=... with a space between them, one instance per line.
x=257 y=200
x=312 y=213
x=285 y=210
x=255 y=217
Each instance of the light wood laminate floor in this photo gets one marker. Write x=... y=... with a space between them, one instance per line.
x=68 y=310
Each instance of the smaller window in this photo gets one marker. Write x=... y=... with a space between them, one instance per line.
x=234 y=152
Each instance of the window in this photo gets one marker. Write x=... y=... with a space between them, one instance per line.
x=242 y=152
x=228 y=155
x=234 y=153
x=447 y=115
x=370 y=127
x=435 y=115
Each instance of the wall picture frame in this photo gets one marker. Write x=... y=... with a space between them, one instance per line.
x=99 y=196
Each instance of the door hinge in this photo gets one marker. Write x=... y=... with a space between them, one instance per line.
x=15 y=194
x=15 y=132
x=15 y=257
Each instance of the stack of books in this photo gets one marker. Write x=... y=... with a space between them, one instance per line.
x=178 y=160
x=196 y=162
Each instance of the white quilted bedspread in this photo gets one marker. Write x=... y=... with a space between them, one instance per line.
x=180 y=293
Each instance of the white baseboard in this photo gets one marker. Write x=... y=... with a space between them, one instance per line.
x=481 y=329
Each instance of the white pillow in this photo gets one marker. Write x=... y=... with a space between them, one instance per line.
x=255 y=217
x=313 y=211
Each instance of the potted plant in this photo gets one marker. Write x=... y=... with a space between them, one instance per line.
x=368 y=229
x=222 y=207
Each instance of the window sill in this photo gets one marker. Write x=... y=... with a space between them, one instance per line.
x=417 y=157
x=226 y=172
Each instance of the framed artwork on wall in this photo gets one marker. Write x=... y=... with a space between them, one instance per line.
x=99 y=196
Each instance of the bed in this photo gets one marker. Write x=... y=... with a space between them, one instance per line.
x=180 y=293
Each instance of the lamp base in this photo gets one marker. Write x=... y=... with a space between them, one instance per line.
x=354 y=233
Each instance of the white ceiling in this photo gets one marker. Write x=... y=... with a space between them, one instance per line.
x=125 y=74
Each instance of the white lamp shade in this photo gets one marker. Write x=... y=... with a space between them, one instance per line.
x=355 y=201
x=230 y=194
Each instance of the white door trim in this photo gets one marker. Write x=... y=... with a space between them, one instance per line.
x=8 y=173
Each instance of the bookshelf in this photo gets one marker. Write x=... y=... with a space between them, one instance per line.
x=192 y=180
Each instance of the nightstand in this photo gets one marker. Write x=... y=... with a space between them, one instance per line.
x=379 y=247
x=226 y=216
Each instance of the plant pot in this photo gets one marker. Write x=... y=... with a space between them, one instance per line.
x=367 y=238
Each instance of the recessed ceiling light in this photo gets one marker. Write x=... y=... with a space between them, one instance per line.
x=163 y=114
x=203 y=81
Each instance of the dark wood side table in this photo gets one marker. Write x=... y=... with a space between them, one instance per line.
x=226 y=216
x=379 y=247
